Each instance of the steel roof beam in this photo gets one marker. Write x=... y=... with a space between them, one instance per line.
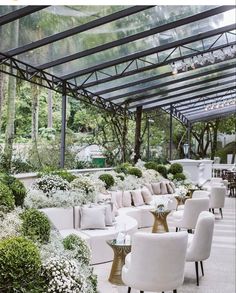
x=84 y=27
x=144 y=103
x=137 y=36
x=151 y=51
x=156 y=87
x=158 y=77
x=165 y=102
x=137 y=70
x=208 y=116
x=19 y=13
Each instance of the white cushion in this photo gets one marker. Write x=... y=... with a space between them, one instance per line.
x=137 y=197
x=147 y=196
x=103 y=196
x=127 y=200
x=172 y=185
x=156 y=187
x=93 y=217
x=61 y=218
x=163 y=188
x=169 y=188
x=149 y=187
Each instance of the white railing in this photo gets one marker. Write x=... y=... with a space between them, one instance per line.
x=217 y=169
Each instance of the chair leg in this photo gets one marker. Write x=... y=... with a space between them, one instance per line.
x=129 y=290
x=190 y=231
x=213 y=211
x=141 y=291
x=201 y=263
x=197 y=276
x=175 y=291
x=176 y=229
x=221 y=213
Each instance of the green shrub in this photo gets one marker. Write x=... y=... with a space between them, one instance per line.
x=151 y=165
x=123 y=168
x=64 y=174
x=35 y=225
x=108 y=179
x=6 y=198
x=162 y=170
x=122 y=178
x=135 y=171
x=19 y=264
x=179 y=176
x=20 y=166
x=16 y=186
x=176 y=168
x=19 y=192
x=79 y=247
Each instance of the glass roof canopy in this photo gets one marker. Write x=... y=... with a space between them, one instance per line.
x=123 y=57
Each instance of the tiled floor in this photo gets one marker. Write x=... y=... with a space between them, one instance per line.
x=220 y=272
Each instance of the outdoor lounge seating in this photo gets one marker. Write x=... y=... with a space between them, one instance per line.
x=67 y=221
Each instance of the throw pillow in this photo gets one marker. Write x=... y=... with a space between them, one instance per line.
x=127 y=201
x=137 y=198
x=156 y=187
x=163 y=188
x=116 y=199
x=147 y=196
x=101 y=197
x=172 y=185
x=93 y=217
x=149 y=187
x=169 y=188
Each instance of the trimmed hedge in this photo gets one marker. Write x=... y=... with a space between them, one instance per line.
x=176 y=168
x=151 y=165
x=19 y=264
x=108 y=179
x=36 y=225
x=7 y=201
x=162 y=170
x=179 y=176
x=135 y=171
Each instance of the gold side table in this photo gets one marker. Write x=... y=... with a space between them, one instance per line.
x=120 y=252
x=160 y=224
x=181 y=199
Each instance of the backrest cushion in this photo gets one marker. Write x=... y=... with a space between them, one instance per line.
x=137 y=197
x=172 y=185
x=163 y=187
x=61 y=218
x=169 y=188
x=116 y=198
x=77 y=217
x=147 y=196
x=149 y=187
x=103 y=196
x=127 y=199
x=156 y=187
x=93 y=217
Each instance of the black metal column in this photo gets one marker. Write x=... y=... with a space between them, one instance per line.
x=189 y=140
x=148 y=139
x=63 y=126
x=171 y=132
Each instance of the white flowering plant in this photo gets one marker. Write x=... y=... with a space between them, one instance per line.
x=161 y=203
x=10 y=224
x=49 y=184
x=181 y=191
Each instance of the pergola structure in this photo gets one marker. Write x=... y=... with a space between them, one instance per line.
x=124 y=58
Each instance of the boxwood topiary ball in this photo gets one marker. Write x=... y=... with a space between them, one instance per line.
x=19 y=264
x=7 y=201
x=135 y=171
x=108 y=179
x=176 y=168
x=36 y=225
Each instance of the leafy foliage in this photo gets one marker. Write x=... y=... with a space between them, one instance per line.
x=176 y=168
x=19 y=264
x=6 y=198
x=108 y=179
x=64 y=174
x=135 y=171
x=162 y=170
x=151 y=165
x=179 y=176
x=123 y=168
x=79 y=247
x=35 y=225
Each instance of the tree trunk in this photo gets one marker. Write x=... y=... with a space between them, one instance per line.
x=50 y=104
x=2 y=85
x=214 y=141
x=11 y=105
x=138 y=134
x=124 y=136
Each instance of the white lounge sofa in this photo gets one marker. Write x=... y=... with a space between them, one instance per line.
x=67 y=221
